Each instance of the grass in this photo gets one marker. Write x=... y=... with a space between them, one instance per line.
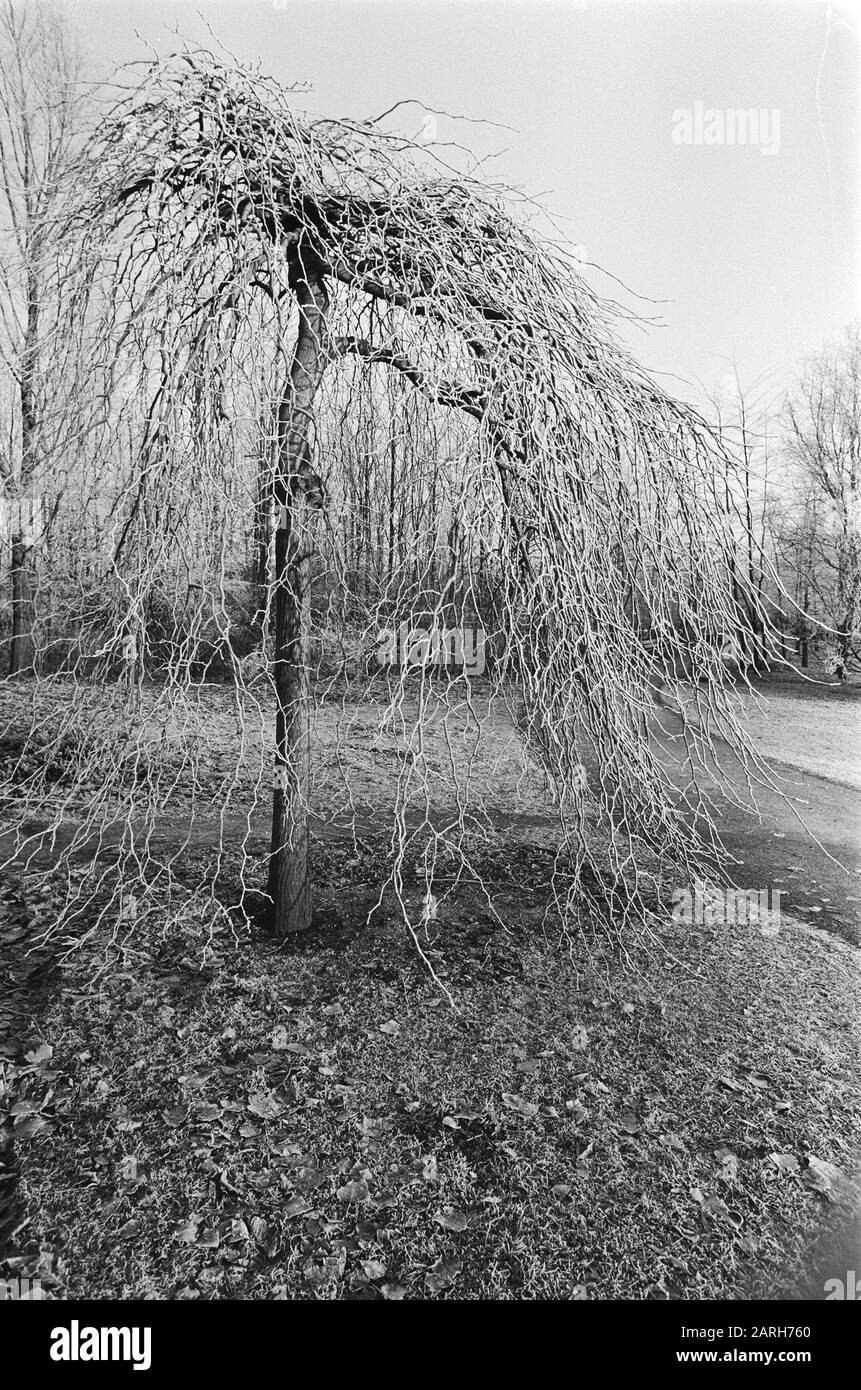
x=208 y=1114
x=814 y=728
x=250 y=1121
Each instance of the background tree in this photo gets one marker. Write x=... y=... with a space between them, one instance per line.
x=821 y=539
x=41 y=109
x=744 y=417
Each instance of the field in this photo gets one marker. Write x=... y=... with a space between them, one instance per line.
x=555 y=1115
x=814 y=728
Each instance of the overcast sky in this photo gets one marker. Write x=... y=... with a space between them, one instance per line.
x=751 y=248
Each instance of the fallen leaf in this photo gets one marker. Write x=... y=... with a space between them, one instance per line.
x=759 y=1080
x=259 y=1230
x=518 y=1104
x=826 y=1178
x=354 y=1191
x=672 y=1141
x=30 y=1126
x=442 y=1275
x=320 y=1269
x=583 y=1160
x=207 y=1113
x=715 y=1206
x=578 y=1112
x=238 y=1231
x=785 y=1163
x=728 y=1164
x=297 y=1206
x=451 y=1219
x=265 y=1105
x=25 y=1107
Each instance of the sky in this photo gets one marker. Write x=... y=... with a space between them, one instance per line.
x=739 y=237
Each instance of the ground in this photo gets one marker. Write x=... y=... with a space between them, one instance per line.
x=676 y=1119
x=809 y=725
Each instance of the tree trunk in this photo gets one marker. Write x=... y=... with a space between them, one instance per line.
x=261 y=531
x=21 y=644
x=298 y=495
x=21 y=647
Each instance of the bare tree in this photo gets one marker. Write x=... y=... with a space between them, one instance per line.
x=823 y=448
x=507 y=461
x=744 y=420
x=40 y=104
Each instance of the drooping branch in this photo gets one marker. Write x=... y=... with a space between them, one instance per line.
x=470 y=399
x=581 y=508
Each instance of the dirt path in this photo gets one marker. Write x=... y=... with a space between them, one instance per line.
x=819 y=883
x=806 y=844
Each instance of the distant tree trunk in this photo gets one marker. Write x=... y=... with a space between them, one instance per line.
x=260 y=534
x=21 y=647
x=298 y=494
x=42 y=102
x=393 y=462
x=21 y=644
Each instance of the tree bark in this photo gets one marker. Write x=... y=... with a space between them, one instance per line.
x=298 y=495
x=21 y=643
x=21 y=647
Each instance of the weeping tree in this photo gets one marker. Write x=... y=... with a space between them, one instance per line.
x=252 y=263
